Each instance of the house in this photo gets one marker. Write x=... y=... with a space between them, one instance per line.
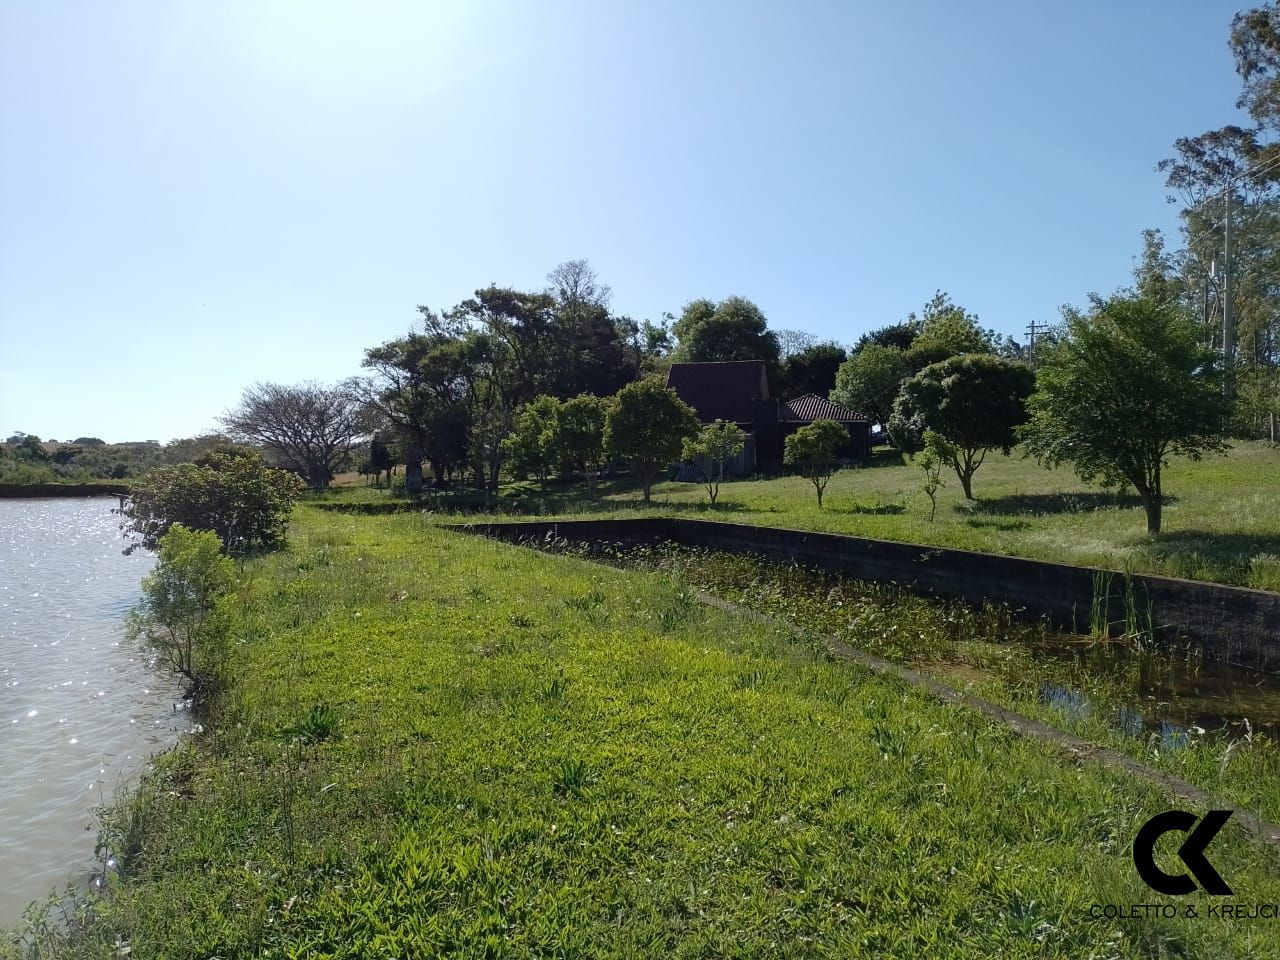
x=738 y=391
x=803 y=410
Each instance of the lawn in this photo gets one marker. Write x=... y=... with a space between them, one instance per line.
x=1222 y=521
x=436 y=745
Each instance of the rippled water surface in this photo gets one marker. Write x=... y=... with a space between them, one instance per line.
x=80 y=709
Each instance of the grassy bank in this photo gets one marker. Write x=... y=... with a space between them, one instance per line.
x=435 y=745
x=1012 y=663
x=1222 y=522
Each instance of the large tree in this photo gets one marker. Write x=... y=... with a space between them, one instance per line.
x=1128 y=386
x=647 y=425
x=733 y=329
x=592 y=350
x=308 y=427
x=869 y=380
x=812 y=370
x=974 y=402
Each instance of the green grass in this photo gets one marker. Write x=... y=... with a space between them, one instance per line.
x=990 y=653
x=1222 y=522
x=436 y=745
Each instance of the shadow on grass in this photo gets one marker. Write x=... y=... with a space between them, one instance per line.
x=876 y=510
x=1202 y=554
x=883 y=457
x=1054 y=503
x=1001 y=525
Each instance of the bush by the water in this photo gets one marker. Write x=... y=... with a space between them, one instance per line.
x=234 y=495
x=181 y=615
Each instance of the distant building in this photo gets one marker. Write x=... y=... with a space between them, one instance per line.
x=738 y=391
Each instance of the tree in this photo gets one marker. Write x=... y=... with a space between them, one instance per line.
x=308 y=427
x=534 y=444
x=931 y=460
x=733 y=329
x=237 y=496
x=869 y=380
x=30 y=449
x=949 y=329
x=715 y=446
x=791 y=342
x=593 y=351
x=581 y=424
x=647 y=425
x=901 y=335
x=1128 y=387
x=89 y=442
x=812 y=450
x=974 y=402
x=1258 y=403
x=812 y=369
x=379 y=460
x=182 y=616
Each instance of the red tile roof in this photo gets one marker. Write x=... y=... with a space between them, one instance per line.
x=721 y=391
x=812 y=407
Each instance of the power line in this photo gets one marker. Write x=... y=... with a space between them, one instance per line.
x=1258 y=168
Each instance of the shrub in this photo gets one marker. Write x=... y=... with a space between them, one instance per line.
x=181 y=616
x=236 y=496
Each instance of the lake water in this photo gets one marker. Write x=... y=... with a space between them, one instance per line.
x=81 y=710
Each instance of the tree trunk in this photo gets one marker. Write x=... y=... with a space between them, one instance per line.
x=966 y=483
x=412 y=469
x=1151 y=503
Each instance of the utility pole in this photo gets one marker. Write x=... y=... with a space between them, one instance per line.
x=1228 y=331
x=1032 y=329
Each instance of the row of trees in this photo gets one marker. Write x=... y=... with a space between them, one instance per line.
x=1230 y=177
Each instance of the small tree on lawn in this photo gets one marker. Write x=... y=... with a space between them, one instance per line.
x=715 y=445
x=581 y=428
x=534 y=445
x=181 y=615
x=931 y=460
x=812 y=450
x=1128 y=386
x=647 y=425
x=974 y=402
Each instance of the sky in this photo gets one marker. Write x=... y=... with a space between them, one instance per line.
x=198 y=196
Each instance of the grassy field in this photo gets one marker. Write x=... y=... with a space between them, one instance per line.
x=434 y=745
x=1222 y=522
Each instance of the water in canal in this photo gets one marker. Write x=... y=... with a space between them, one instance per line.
x=81 y=710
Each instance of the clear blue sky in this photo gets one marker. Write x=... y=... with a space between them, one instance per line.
x=197 y=196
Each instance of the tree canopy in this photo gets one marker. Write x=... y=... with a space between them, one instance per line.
x=733 y=329
x=235 y=495
x=811 y=369
x=813 y=449
x=308 y=428
x=1128 y=386
x=712 y=449
x=869 y=380
x=647 y=425
x=973 y=401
